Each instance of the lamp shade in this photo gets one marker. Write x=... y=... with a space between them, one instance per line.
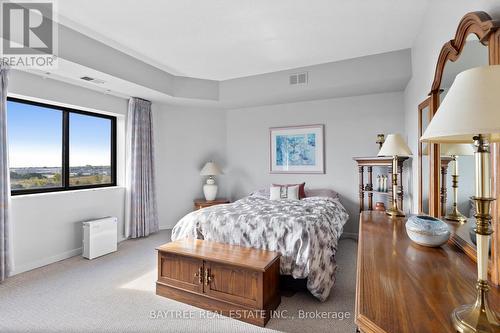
x=394 y=145
x=210 y=169
x=471 y=107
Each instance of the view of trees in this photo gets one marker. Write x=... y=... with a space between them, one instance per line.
x=30 y=180
x=89 y=180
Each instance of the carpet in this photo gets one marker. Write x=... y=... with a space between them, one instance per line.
x=116 y=293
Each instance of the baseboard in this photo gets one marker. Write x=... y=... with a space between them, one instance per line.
x=50 y=260
x=47 y=261
x=122 y=238
x=349 y=235
x=167 y=227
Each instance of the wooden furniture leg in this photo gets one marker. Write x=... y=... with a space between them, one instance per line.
x=369 y=187
x=400 y=186
x=361 y=190
x=389 y=184
x=444 y=191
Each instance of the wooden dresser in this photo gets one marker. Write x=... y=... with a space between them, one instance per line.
x=403 y=287
x=239 y=282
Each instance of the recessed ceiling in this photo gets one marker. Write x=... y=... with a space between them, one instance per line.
x=224 y=39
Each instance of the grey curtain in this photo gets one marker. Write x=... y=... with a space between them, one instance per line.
x=141 y=209
x=5 y=236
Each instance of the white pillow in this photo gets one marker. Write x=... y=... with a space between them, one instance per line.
x=293 y=192
x=275 y=193
x=284 y=192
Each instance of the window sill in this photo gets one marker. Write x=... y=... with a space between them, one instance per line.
x=56 y=193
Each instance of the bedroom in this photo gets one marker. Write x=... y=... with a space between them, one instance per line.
x=215 y=80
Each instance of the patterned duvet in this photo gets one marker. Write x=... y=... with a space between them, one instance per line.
x=305 y=232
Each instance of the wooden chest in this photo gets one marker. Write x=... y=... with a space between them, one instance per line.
x=239 y=282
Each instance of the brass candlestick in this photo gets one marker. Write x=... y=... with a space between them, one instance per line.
x=455 y=214
x=394 y=146
x=479 y=317
x=394 y=211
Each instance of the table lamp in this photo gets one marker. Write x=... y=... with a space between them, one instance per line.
x=455 y=150
x=394 y=146
x=470 y=114
x=210 y=188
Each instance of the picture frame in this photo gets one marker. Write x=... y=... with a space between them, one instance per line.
x=297 y=149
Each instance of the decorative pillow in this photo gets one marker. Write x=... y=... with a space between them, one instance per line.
x=302 y=192
x=275 y=193
x=284 y=192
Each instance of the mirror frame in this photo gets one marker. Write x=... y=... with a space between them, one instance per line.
x=488 y=32
x=421 y=107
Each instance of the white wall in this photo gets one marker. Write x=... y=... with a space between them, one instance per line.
x=47 y=227
x=438 y=27
x=186 y=138
x=351 y=127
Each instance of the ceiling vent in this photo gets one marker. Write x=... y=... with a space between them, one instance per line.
x=92 y=79
x=298 y=78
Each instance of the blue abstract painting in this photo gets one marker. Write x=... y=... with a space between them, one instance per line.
x=296 y=149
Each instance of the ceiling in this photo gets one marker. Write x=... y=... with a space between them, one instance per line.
x=225 y=39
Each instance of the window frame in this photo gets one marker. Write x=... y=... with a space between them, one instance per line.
x=65 y=138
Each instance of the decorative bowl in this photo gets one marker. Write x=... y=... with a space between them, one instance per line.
x=427 y=231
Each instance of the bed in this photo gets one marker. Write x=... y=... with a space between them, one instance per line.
x=305 y=232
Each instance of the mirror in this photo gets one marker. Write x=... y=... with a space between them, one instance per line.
x=457 y=161
x=476 y=43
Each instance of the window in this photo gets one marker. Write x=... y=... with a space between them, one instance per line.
x=54 y=148
x=89 y=150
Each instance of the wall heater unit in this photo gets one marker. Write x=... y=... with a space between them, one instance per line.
x=100 y=237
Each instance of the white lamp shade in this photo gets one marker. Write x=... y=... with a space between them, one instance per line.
x=210 y=169
x=471 y=107
x=394 y=145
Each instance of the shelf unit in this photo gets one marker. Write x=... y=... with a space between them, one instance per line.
x=366 y=187
x=388 y=193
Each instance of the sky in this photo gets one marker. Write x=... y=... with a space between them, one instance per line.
x=35 y=137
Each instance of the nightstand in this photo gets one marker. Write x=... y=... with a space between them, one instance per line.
x=202 y=203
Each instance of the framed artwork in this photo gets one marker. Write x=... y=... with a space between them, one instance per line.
x=297 y=149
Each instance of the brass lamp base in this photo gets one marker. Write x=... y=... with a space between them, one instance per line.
x=476 y=317
x=456 y=216
x=394 y=212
